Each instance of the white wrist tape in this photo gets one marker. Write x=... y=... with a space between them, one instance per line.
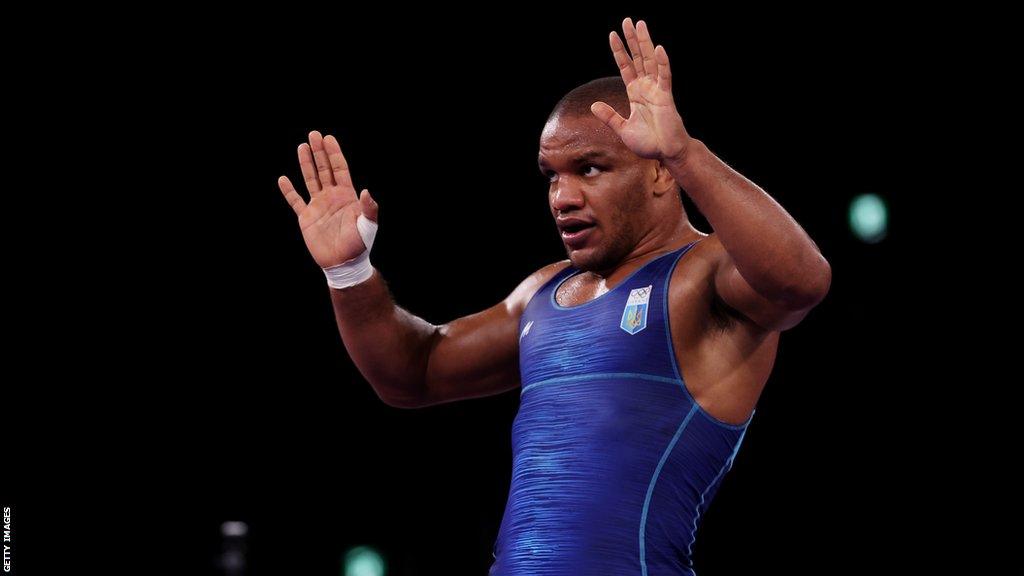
x=358 y=269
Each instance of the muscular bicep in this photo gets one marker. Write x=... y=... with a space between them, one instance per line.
x=736 y=293
x=478 y=355
x=474 y=356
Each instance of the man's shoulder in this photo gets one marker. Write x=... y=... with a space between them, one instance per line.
x=692 y=289
x=526 y=289
x=704 y=258
x=549 y=271
x=710 y=246
x=694 y=271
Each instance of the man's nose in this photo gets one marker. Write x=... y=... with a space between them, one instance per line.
x=567 y=194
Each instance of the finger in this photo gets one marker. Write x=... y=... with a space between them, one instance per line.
x=368 y=205
x=664 y=71
x=634 y=47
x=622 y=59
x=308 y=170
x=646 y=47
x=339 y=166
x=323 y=166
x=290 y=195
x=608 y=115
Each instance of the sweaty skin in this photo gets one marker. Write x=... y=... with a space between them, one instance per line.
x=755 y=276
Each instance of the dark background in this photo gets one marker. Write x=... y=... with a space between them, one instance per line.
x=229 y=396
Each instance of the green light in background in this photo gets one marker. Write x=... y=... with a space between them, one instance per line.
x=869 y=218
x=363 y=561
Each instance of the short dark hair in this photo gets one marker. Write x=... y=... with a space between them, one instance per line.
x=610 y=90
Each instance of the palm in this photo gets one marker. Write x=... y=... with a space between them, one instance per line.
x=328 y=225
x=652 y=120
x=654 y=128
x=328 y=220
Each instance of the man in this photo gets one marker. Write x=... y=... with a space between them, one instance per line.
x=641 y=357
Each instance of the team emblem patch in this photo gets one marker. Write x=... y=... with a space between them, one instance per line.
x=634 y=317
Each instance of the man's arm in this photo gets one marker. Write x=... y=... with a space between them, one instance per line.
x=408 y=361
x=412 y=363
x=771 y=271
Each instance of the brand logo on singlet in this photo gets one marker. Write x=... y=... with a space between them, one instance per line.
x=634 y=317
x=526 y=330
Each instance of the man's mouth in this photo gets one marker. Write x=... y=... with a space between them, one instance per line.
x=575 y=233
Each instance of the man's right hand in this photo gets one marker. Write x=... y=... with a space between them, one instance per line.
x=408 y=361
x=328 y=220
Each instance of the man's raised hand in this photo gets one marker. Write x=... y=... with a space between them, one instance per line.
x=654 y=128
x=328 y=219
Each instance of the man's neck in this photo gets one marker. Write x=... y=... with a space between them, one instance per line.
x=651 y=246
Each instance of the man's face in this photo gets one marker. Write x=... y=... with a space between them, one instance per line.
x=598 y=190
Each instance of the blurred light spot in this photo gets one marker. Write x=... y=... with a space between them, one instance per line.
x=869 y=218
x=234 y=529
x=363 y=561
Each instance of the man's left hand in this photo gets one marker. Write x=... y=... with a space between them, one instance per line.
x=654 y=128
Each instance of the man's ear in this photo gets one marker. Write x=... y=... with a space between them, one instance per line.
x=663 y=180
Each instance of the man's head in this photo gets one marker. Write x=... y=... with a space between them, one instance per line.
x=605 y=199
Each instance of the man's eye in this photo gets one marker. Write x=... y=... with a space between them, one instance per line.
x=550 y=176
x=591 y=170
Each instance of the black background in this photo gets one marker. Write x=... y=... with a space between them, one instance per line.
x=227 y=394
